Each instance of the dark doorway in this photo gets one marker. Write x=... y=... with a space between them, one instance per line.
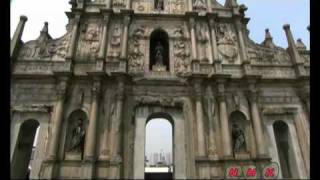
x=282 y=136
x=158 y=175
x=159 y=38
x=23 y=150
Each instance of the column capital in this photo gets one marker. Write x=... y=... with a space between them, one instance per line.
x=192 y=22
x=96 y=88
x=121 y=88
x=126 y=20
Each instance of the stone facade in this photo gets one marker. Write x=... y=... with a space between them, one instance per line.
x=100 y=72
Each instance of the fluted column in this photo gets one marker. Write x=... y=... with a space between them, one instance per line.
x=193 y=38
x=17 y=36
x=124 y=44
x=212 y=151
x=103 y=44
x=216 y=61
x=90 y=145
x=298 y=63
x=74 y=35
x=256 y=120
x=57 y=119
x=199 y=115
x=223 y=115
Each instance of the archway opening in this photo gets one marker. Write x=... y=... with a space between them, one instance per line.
x=281 y=133
x=24 y=150
x=159 y=51
x=158 y=149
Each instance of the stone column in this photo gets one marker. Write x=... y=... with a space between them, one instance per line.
x=73 y=41
x=116 y=158
x=124 y=43
x=243 y=51
x=190 y=5
x=17 y=36
x=212 y=151
x=90 y=145
x=299 y=65
x=216 y=61
x=256 y=120
x=108 y=3
x=57 y=119
x=199 y=113
x=223 y=115
x=193 y=38
x=103 y=44
x=209 y=4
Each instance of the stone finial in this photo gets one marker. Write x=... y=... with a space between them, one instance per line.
x=268 y=39
x=23 y=18
x=231 y=3
x=45 y=28
x=286 y=27
x=242 y=8
x=300 y=45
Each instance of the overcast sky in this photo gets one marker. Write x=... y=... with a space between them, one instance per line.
x=272 y=14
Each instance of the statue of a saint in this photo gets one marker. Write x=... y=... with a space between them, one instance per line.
x=159 y=4
x=77 y=137
x=158 y=54
x=239 y=142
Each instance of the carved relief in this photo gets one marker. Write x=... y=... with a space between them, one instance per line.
x=136 y=62
x=119 y=3
x=181 y=53
x=114 y=51
x=199 y=5
x=227 y=42
x=45 y=48
x=89 y=41
x=177 y=6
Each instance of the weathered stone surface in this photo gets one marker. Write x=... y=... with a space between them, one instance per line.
x=213 y=71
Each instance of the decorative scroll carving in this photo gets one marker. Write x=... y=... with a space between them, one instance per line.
x=115 y=42
x=227 y=42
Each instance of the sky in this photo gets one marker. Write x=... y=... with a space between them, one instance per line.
x=272 y=14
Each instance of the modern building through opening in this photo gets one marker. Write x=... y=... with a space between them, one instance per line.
x=158 y=149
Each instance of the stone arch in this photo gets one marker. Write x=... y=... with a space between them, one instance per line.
x=70 y=124
x=167 y=123
x=159 y=36
x=23 y=149
x=239 y=119
x=281 y=133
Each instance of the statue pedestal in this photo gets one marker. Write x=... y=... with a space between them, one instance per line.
x=242 y=155
x=159 y=67
x=73 y=156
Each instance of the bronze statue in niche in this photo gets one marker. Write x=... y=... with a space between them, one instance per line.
x=238 y=137
x=158 y=51
x=159 y=4
x=77 y=138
